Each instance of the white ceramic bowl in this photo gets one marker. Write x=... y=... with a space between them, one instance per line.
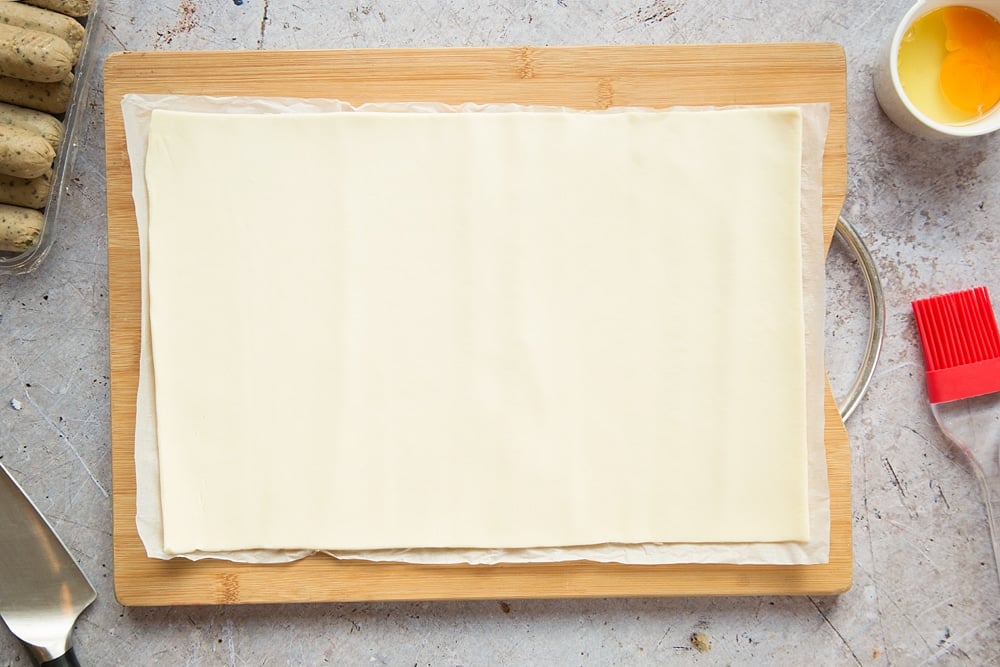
x=897 y=105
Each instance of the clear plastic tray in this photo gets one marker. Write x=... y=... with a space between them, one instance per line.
x=62 y=168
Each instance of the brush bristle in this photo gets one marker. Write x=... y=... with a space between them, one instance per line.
x=961 y=344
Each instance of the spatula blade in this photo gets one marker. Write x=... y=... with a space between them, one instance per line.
x=42 y=589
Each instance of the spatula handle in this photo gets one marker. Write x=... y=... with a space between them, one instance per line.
x=67 y=659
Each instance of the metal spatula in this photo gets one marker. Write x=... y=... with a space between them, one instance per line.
x=42 y=590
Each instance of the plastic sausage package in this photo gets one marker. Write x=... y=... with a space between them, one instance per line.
x=24 y=241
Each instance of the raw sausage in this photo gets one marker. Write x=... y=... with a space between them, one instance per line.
x=27 y=192
x=34 y=56
x=50 y=97
x=67 y=7
x=20 y=15
x=20 y=228
x=24 y=154
x=44 y=125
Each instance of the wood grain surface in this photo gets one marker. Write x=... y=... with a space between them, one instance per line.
x=580 y=77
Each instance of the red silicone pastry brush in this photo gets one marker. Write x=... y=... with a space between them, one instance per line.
x=961 y=343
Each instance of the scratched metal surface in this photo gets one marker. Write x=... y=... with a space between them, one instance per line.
x=925 y=587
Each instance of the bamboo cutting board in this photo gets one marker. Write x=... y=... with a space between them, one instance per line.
x=584 y=77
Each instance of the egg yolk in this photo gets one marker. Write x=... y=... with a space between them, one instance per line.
x=970 y=72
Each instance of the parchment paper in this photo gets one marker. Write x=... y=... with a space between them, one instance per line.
x=137 y=109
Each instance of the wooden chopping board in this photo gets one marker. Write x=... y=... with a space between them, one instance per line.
x=583 y=77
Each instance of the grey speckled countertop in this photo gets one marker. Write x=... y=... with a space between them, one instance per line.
x=925 y=587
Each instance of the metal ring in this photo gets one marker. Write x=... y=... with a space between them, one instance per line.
x=876 y=308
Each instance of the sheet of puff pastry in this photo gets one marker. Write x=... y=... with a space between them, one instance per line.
x=502 y=330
